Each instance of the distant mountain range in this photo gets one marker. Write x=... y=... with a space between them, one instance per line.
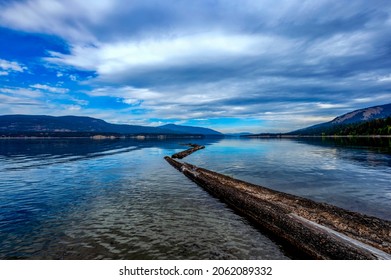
x=364 y=115
x=66 y=125
x=368 y=121
x=189 y=129
x=355 y=122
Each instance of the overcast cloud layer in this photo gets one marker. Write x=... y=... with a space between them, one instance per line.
x=231 y=65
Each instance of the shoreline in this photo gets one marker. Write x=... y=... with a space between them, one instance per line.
x=99 y=137
x=103 y=137
x=316 y=136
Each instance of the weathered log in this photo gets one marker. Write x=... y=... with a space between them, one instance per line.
x=320 y=230
x=194 y=147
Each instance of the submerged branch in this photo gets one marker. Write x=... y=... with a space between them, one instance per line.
x=194 y=148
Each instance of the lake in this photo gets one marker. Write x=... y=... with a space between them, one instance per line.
x=119 y=199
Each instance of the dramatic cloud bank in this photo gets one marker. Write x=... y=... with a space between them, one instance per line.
x=232 y=65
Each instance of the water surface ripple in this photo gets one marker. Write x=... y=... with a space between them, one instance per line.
x=117 y=199
x=113 y=202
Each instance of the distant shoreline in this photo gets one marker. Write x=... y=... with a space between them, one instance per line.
x=104 y=137
x=316 y=136
x=162 y=137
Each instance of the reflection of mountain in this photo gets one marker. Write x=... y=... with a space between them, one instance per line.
x=85 y=126
x=87 y=147
x=26 y=153
x=368 y=121
x=372 y=145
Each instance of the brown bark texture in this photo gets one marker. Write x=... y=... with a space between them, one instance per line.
x=320 y=230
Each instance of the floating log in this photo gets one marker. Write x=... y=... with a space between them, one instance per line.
x=194 y=147
x=320 y=230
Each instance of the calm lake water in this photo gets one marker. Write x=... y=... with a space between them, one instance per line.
x=119 y=199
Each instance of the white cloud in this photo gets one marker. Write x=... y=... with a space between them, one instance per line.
x=329 y=105
x=13 y=98
x=340 y=45
x=126 y=92
x=10 y=66
x=383 y=79
x=50 y=89
x=378 y=98
x=109 y=59
x=73 y=108
x=73 y=78
x=67 y=19
x=131 y=101
x=8 y=100
x=21 y=92
x=39 y=100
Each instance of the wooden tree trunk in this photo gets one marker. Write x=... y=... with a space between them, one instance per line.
x=320 y=230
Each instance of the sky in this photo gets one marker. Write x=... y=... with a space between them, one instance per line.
x=234 y=66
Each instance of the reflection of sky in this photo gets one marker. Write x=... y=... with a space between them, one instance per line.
x=106 y=199
x=357 y=179
x=129 y=204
